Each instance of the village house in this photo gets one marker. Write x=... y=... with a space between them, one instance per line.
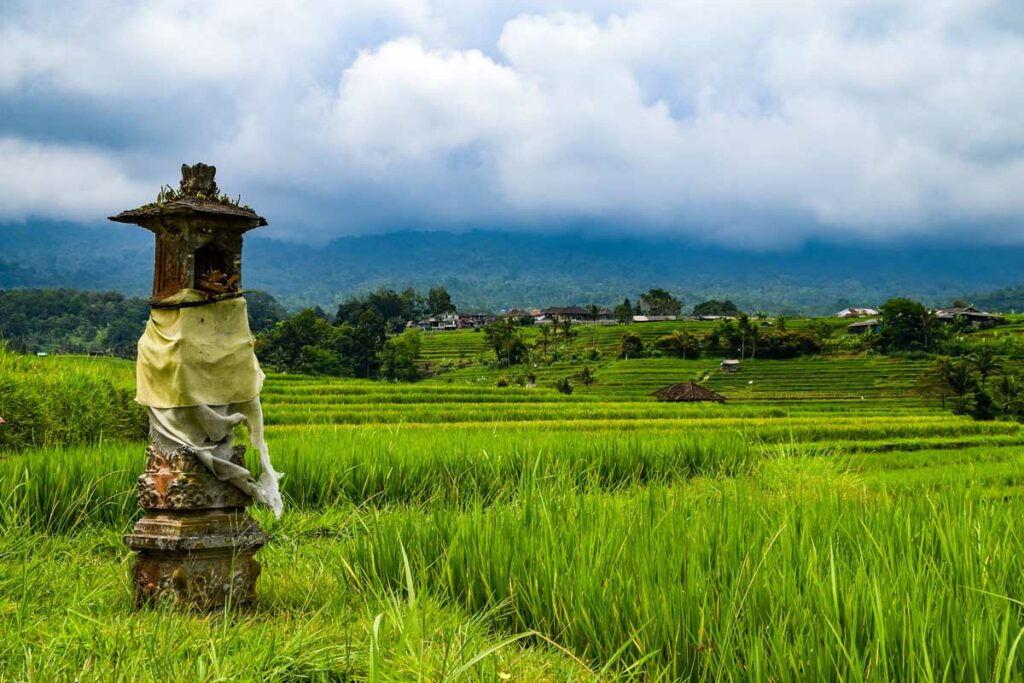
x=577 y=315
x=474 y=321
x=729 y=365
x=862 y=326
x=452 y=321
x=563 y=312
x=977 y=319
x=522 y=313
x=439 y=323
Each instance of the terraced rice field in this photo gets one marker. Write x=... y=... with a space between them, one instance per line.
x=823 y=524
x=449 y=348
x=834 y=379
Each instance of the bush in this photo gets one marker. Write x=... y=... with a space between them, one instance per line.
x=564 y=385
x=586 y=376
x=984 y=408
x=632 y=346
x=680 y=344
x=398 y=359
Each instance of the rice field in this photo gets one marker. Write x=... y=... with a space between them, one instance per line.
x=825 y=523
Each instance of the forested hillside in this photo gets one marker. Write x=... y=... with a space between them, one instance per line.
x=1006 y=299
x=488 y=270
x=101 y=323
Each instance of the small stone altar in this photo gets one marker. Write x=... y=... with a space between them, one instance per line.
x=198 y=376
x=196 y=544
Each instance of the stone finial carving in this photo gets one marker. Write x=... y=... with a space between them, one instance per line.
x=198 y=179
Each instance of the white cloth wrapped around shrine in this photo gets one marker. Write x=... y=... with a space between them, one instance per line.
x=209 y=432
x=198 y=375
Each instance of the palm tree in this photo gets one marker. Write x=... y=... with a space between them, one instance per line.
x=744 y=328
x=755 y=336
x=928 y=323
x=1008 y=393
x=934 y=381
x=566 y=328
x=961 y=384
x=985 y=363
x=594 y=310
x=543 y=338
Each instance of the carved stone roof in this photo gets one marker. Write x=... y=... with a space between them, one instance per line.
x=228 y=216
x=198 y=201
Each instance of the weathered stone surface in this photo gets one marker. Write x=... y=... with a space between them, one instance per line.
x=197 y=559
x=203 y=580
x=192 y=531
x=198 y=232
x=180 y=481
x=196 y=544
x=198 y=179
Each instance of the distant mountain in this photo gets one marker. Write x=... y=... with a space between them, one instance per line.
x=494 y=270
x=1006 y=300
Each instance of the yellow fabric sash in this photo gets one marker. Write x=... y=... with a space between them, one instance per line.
x=198 y=356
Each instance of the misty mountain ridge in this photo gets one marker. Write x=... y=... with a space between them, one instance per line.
x=493 y=270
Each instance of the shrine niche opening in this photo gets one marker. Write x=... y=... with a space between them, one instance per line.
x=211 y=259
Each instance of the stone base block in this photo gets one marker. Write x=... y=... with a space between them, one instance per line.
x=198 y=559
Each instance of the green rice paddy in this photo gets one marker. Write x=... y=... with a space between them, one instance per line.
x=825 y=523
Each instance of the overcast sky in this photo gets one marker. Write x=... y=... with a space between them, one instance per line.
x=754 y=123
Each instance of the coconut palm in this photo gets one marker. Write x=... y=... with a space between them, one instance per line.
x=565 y=326
x=961 y=384
x=1008 y=394
x=543 y=338
x=985 y=363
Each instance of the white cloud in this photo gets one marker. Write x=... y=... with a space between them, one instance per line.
x=71 y=183
x=404 y=104
x=769 y=121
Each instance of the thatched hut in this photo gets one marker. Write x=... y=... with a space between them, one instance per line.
x=687 y=391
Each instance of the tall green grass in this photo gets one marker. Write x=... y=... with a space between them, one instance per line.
x=418 y=466
x=66 y=615
x=826 y=539
x=62 y=490
x=64 y=401
x=803 y=584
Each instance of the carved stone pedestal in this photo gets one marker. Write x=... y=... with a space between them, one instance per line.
x=196 y=543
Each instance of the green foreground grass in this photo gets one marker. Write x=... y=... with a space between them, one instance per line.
x=449 y=531
x=797 y=572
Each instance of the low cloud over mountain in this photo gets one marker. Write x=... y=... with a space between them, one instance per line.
x=750 y=124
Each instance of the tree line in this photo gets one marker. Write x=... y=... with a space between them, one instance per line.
x=367 y=337
x=71 y=321
x=977 y=385
x=355 y=342
x=661 y=302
